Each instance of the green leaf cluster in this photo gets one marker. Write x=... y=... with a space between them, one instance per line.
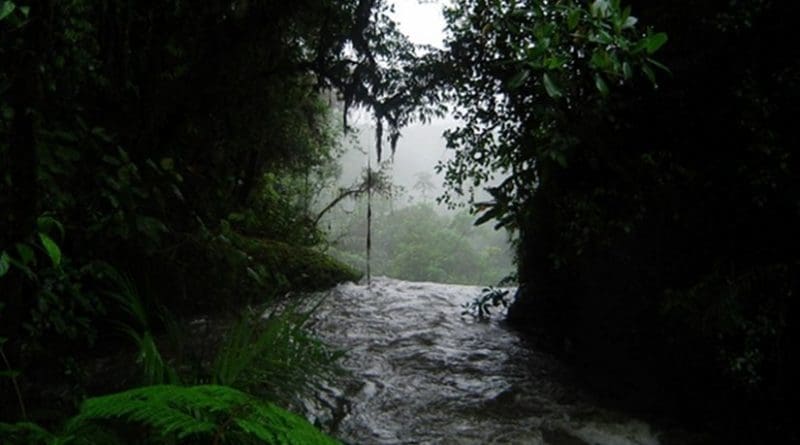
x=519 y=73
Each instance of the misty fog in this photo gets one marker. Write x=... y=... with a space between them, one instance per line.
x=413 y=236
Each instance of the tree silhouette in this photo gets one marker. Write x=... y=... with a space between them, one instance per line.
x=424 y=184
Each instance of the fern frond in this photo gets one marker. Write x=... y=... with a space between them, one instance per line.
x=276 y=356
x=25 y=433
x=202 y=411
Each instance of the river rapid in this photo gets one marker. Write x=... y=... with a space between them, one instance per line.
x=420 y=372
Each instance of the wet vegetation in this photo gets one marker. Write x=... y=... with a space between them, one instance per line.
x=419 y=242
x=161 y=167
x=654 y=183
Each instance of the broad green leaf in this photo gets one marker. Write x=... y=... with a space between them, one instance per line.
x=573 y=18
x=255 y=276
x=599 y=8
x=52 y=249
x=554 y=62
x=600 y=83
x=653 y=42
x=629 y=22
x=518 y=79
x=5 y=264
x=6 y=8
x=601 y=60
x=552 y=89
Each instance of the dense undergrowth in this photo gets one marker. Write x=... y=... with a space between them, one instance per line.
x=156 y=169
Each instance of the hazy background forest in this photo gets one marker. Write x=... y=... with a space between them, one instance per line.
x=414 y=236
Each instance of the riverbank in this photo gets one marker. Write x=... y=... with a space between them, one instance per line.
x=271 y=358
x=616 y=355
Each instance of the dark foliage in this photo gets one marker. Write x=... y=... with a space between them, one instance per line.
x=658 y=225
x=172 y=142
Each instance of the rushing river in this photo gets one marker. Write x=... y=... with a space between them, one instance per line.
x=419 y=372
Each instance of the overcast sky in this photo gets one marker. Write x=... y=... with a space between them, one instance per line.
x=422 y=23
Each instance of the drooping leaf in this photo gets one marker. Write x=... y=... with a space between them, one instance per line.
x=627 y=72
x=52 y=249
x=659 y=65
x=601 y=85
x=629 y=22
x=550 y=86
x=518 y=79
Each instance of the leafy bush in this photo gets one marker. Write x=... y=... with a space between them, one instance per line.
x=481 y=307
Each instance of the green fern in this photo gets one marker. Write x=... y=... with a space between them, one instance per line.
x=218 y=414
x=155 y=370
x=25 y=432
x=276 y=358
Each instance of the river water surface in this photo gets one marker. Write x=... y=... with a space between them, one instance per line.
x=419 y=372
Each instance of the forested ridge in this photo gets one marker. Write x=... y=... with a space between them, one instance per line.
x=158 y=162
